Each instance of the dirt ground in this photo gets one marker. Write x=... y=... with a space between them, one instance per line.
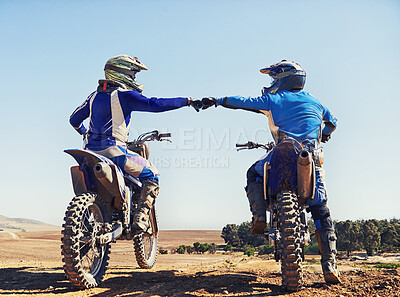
x=30 y=265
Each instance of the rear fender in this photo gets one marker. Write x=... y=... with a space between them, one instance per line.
x=84 y=179
x=78 y=180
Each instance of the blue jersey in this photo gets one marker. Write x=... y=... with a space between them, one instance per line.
x=297 y=114
x=109 y=115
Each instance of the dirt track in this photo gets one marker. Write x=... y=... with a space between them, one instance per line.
x=30 y=265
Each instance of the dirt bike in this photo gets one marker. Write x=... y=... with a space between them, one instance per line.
x=102 y=212
x=289 y=184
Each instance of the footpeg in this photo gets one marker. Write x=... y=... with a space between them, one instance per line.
x=108 y=237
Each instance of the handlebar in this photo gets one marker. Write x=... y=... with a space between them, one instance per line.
x=252 y=145
x=164 y=135
x=150 y=136
x=241 y=144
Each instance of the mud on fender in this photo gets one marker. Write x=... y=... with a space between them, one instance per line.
x=283 y=172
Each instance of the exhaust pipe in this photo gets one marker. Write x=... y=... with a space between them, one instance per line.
x=104 y=174
x=305 y=176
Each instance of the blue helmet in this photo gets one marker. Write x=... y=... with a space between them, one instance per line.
x=285 y=76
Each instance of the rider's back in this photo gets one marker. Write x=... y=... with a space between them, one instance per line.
x=297 y=114
x=110 y=114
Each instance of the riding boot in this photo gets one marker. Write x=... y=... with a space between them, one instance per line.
x=149 y=193
x=327 y=247
x=258 y=207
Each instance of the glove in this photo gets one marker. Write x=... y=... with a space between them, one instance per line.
x=195 y=103
x=325 y=137
x=208 y=102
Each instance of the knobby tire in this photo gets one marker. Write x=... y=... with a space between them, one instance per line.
x=146 y=244
x=289 y=245
x=84 y=220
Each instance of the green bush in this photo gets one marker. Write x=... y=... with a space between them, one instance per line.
x=249 y=250
x=228 y=247
x=312 y=249
x=189 y=249
x=388 y=265
x=181 y=249
x=196 y=247
x=163 y=252
x=265 y=249
x=204 y=247
x=212 y=248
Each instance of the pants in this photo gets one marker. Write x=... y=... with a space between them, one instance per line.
x=130 y=162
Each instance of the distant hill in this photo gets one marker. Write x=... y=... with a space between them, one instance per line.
x=22 y=224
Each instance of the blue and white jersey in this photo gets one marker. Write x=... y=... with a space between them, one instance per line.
x=109 y=115
x=297 y=114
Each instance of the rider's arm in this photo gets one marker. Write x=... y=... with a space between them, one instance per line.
x=330 y=122
x=248 y=103
x=79 y=115
x=138 y=102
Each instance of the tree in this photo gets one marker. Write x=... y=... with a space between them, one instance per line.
x=244 y=233
x=203 y=247
x=181 y=249
x=196 y=247
x=372 y=237
x=390 y=238
x=212 y=248
x=349 y=236
x=396 y=224
x=189 y=249
x=230 y=234
x=265 y=249
x=246 y=238
x=311 y=226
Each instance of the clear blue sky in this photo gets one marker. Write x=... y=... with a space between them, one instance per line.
x=53 y=52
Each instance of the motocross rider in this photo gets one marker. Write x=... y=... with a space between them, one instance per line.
x=109 y=111
x=297 y=114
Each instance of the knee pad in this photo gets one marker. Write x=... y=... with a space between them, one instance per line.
x=321 y=216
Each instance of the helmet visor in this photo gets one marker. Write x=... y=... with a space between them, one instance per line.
x=271 y=71
x=266 y=70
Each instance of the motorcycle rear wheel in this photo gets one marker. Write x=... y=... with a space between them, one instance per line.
x=289 y=243
x=85 y=259
x=146 y=243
